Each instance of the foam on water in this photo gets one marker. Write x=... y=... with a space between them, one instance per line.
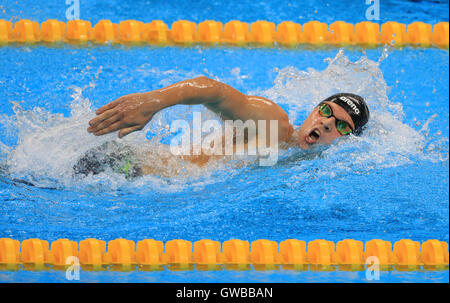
x=49 y=144
x=387 y=141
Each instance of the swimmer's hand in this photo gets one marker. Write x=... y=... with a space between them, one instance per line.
x=127 y=114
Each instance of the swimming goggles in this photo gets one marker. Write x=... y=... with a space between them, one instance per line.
x=342 y=127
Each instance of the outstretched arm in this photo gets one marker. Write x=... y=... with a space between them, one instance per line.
x=132 y=112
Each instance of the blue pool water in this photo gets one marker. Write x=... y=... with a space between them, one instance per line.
x=391 y=183
x=247 y=11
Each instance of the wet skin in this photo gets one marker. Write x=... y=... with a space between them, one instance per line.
x=132 y=112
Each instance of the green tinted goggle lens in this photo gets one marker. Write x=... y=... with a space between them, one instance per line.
x=342 y=127
x=325 y=110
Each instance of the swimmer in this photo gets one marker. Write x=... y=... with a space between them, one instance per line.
x=339 y=115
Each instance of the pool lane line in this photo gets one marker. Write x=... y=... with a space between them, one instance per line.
x=235 y=254
x=236 y=33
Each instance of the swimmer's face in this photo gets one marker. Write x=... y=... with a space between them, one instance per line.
x=321 y=130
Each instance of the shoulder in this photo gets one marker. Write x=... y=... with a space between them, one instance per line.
x=270 y=110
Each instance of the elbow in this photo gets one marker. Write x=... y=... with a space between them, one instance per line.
x=212 y=88
x=205 y=81
x=202 y=78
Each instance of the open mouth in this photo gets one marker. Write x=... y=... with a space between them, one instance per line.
x=313 y=136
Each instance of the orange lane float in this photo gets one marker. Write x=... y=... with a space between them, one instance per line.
x=184 y=32
x=419 y=33
x=288 y=33
x=393 y=33
x=262 y=32
x=315 y=32
x=93 y=252
x=53 y=31
x=26 y=31
x=367 y=33
x=209 y=254
x=341 y=33
x=105 y=31
x=440 y=34
x=6 y=31
x=78 y=31
x=131 y=31
x=156 y=32
x=210 y=32
x=149 y=252
x=9 y=251
x=234 y=32
x=320 y=252
x=61 y=250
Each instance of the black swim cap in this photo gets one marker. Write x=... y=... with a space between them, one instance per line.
x=355 y=106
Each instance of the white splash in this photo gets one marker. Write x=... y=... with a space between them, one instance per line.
x=387 y=141
x=48 y=145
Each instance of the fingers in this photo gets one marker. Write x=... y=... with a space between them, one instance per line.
x=94 y=123
x=111 y=128
x=108 y=106
x=121 y=114
x=106 y=123
x=129 y=130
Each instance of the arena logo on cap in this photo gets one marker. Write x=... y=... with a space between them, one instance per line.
x=351 y=104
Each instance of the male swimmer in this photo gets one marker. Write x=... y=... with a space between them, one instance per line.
x=339 y=115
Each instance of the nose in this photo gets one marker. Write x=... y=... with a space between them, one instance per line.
x=328 y=123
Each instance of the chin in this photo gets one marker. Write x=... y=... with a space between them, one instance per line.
x=299 y=141
x=302 y=144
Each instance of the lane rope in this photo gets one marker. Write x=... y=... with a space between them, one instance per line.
x=262 y=33
x=95 y=252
